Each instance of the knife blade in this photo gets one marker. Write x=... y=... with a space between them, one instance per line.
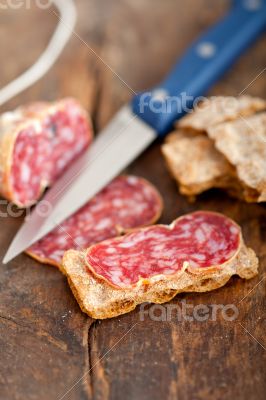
x=119 y=144
x=150 y=115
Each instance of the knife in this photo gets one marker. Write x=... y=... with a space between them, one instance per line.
x=150 y=115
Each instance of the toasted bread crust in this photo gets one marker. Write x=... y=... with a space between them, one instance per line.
x=200 y=168
x=100 y=300
x=243 y=143
x=216 y=147
x=219 y=109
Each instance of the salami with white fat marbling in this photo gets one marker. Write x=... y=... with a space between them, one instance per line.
x=196 y=242
x=37 y=143
x=127 y=202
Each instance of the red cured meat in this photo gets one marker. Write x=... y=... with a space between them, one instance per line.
x=127 y=202
x=195 y=241
x=38 y=142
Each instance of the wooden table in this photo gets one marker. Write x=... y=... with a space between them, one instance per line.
x=49 y=349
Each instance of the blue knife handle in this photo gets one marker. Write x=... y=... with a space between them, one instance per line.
x=202 y=64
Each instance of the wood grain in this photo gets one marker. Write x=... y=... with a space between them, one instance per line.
x=47 y=345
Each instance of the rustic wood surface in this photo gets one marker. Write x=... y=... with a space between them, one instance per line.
x=49 y=349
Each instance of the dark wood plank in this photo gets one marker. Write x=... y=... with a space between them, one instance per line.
x=47 y=344
x=44 y=336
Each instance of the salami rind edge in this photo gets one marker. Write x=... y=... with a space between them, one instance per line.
x=100 y=297
x=125 y=203
x=37 y=143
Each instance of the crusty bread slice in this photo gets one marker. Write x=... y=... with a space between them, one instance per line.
x=194 y=162
x=243 y=143
x=203 y=167
x=100 y=300
x=221 y=144
x=218 y=109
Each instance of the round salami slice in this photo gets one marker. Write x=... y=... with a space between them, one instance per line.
x=127 y=202
x=195 y=242
x=37 y=143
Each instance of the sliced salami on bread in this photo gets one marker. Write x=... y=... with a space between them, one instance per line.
x=198 y=252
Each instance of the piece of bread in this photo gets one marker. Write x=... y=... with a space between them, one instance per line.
x=100 y=298
x=220 y=145
x=216 y=110
x=196 y=165
x=243 y=143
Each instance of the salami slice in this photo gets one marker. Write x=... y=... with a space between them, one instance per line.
x=196 y=242
x=127 y=202
x=196 y=253
x=37 y=143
